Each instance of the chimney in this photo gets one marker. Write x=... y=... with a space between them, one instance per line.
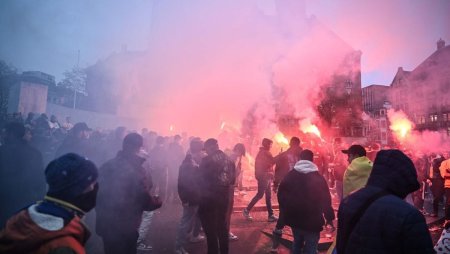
x=440 y=44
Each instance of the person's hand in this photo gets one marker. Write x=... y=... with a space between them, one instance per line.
x=330 y=226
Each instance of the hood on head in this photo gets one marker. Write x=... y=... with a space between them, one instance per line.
x=305 y=166
x=395 y=172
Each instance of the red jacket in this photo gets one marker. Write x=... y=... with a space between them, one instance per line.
x=23 y=235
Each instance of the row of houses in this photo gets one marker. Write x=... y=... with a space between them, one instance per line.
x=422 y=94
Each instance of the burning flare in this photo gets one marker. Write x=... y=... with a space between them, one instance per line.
x=307 y=127
x=281 y=139
x=400 y=124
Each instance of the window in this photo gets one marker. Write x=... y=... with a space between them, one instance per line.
x=433 y=118
x=383 y=136
x=445 y=117
x=421 y=119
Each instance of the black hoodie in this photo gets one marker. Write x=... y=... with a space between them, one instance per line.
x=389 y=225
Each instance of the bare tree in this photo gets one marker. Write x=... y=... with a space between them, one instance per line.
x=75 y=80
x=8 y=76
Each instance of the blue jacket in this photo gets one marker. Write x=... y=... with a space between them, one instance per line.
x=389 y=225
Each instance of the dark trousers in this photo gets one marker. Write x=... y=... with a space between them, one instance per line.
x=120 y=242
x=437 y=188
x=215 y=217
x=447 y=204
x=263 y=188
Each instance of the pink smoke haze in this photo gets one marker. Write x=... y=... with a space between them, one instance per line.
x=407 y=137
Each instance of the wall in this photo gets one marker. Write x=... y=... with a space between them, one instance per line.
x=94 y=120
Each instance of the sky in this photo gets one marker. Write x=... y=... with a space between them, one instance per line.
x=47 y=35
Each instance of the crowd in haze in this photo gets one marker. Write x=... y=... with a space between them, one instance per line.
x=73 y=169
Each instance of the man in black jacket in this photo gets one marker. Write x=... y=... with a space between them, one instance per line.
x=304 y=201
x=217 y=178
x=123 y=195
x=284 y=163
x=264 y=162
x=188 y=191
x=387 y=224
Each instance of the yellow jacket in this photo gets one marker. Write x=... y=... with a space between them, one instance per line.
x=356 y=175
x=445 y=172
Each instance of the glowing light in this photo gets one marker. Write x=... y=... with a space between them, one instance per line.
x=171 y=128
x=222 y=125
x=400 y=124
x=307 y=127
x=281 y=139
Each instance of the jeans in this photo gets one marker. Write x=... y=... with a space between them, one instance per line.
x=437 y=188
x=447 y=203
x=189 y=222
x=263 y=188
x=214 y=215
x=144 y=228
x=305 y=240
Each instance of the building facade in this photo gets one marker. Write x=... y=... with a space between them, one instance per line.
x=423 y=93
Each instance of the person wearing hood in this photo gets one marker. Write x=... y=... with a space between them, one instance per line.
x=376 y=219
x=124 y=195
x=305 y=201
x=54 y=225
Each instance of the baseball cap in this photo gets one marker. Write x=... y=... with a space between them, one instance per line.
x=355 y=149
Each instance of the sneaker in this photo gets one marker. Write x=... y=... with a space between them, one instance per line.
x=233 y=237
x=196 y=239
x=181 y=251
x=274 y=250
x=272 y=218
x=247 y=215
x=144 y=247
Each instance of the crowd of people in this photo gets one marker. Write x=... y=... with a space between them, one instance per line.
x=70 y=169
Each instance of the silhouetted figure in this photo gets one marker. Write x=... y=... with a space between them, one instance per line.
x=76 y=141
x=189 y=193
x=175 y=156
x=285 y=162
x=159 y=167
x=304 y=202
x=54 y=225
x=21 y=172
x=217 y=176
x=264 y=162
x=123 y=196
x=376 y=219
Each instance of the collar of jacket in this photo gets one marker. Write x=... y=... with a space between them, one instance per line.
x=131 y=157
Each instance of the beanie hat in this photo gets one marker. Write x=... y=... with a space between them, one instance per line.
x=69 y=175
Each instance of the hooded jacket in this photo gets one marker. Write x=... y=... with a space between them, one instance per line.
x=304 y=198
x=389 y=225
x=356 y=175
x=34 y=232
